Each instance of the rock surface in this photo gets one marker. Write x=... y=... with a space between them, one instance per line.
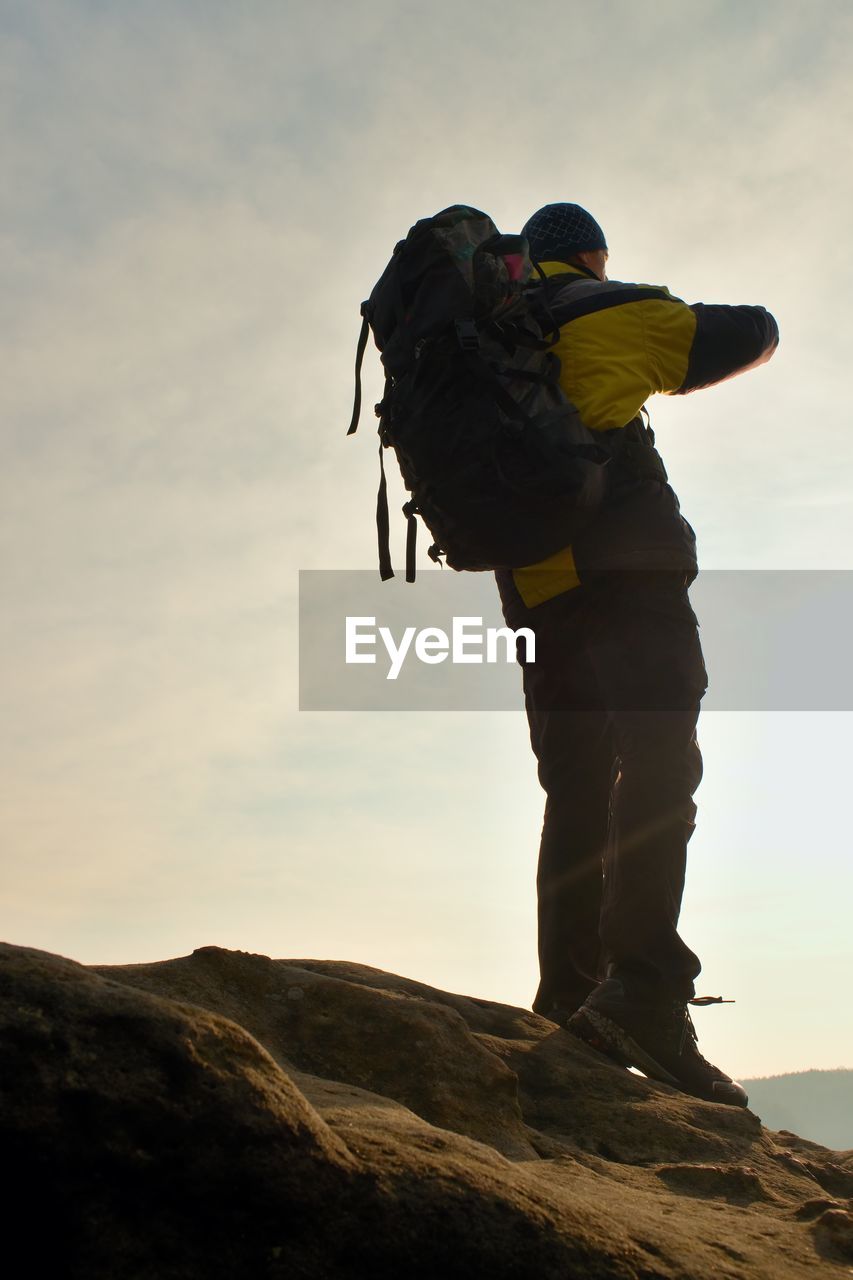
x=228 y=1115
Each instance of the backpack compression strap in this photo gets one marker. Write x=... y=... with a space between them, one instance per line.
x=383 y=531
x=359 y=356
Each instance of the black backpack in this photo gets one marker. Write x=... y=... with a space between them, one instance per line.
x=498 y=462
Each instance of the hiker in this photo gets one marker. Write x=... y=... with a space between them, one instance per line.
x=613 y=696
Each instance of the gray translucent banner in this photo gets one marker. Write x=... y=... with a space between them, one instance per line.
x=774 y=640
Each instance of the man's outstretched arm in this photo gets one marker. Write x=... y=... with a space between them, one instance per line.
x=727 y=341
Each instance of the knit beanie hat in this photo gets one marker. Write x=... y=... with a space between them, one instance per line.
x=560 y=231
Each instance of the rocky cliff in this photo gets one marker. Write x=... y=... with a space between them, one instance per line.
x=228 y=1115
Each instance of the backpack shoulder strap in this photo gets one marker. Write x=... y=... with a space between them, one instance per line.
x=577 y=296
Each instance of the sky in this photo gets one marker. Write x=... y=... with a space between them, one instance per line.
x=197 y=197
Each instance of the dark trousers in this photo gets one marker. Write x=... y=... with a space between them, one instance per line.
x=612 y=701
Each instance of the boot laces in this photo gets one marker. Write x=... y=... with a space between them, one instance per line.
x=688 y=1031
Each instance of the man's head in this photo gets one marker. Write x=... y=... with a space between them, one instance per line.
x=566 y=233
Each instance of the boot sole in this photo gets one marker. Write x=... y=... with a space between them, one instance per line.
x=619 y=1045
x=615 y=1042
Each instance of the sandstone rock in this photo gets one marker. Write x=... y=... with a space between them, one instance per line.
x=228 y=1115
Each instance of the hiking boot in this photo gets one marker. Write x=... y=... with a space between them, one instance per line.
x=655 y=1034
x=561 y=1007
x=561 y=1013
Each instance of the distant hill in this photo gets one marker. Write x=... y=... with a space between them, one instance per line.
x=814 y=1104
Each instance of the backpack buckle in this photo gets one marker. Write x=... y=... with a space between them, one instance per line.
x=467 y=335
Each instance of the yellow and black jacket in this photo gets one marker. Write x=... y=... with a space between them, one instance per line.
x=620 y=343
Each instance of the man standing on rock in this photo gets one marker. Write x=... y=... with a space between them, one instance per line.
x=613 y=697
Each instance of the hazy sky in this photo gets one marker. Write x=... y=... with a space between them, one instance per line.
x=196 y=198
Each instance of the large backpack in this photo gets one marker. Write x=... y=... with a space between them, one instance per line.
x=497 y=461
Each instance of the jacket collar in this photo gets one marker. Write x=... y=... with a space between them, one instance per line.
x=566 y=268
